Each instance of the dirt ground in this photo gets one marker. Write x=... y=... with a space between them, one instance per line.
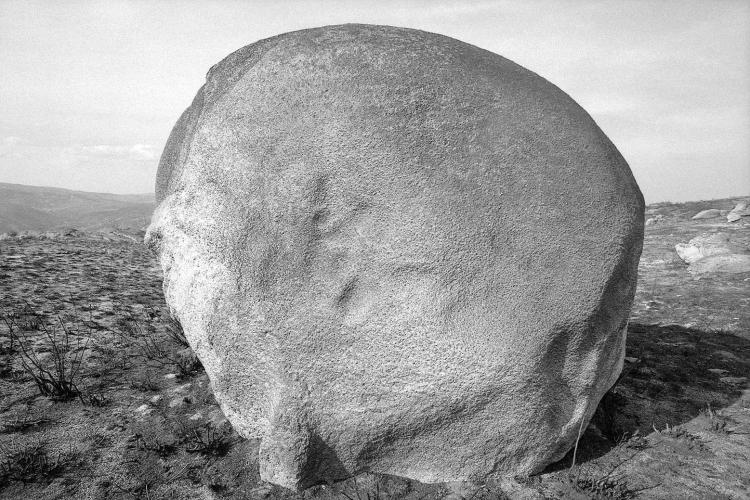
x=131 y=413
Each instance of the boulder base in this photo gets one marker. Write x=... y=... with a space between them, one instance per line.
x=397 y=252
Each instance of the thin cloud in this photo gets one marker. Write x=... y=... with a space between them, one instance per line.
x=134 y=152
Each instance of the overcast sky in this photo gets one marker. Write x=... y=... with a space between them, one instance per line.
x=89 y=91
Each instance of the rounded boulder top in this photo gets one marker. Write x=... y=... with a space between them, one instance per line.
x=394 y=251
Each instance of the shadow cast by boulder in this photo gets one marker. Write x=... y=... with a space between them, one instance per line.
x=671 y=374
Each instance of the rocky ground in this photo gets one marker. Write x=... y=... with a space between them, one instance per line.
x=100 y=397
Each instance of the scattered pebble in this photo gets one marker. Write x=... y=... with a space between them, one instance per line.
x=144 y=409
x=180 y=389
x=196 y=416
x=156 y=399
x=176 y=402
x=170 y=376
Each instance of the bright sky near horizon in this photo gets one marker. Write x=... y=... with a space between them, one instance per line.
x=89 y=91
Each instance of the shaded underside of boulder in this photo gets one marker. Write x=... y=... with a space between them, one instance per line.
x=397 y=252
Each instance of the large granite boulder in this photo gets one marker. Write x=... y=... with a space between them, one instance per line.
x=397 y=252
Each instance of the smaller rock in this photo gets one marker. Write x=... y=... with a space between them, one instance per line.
x=654 y=220
x=702 y=246
x=170 y=376
x=180 y=389
x=733 y=217
x=632 y=360
x=714 y=253
x=196 y=416
x=144 y=409
x=733 y=380
x=718 y=371
x=739 y=211
x=729 y=264
x=156 y=399
x=707 y=214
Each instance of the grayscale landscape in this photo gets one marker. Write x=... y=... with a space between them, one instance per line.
x=101 y=397
x=43 y=209
x=394 y=250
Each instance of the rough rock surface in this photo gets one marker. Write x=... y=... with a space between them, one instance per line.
x=394 y=251
x=705 y=245
x=714 y=253
x=707 y=214
x=739 y=211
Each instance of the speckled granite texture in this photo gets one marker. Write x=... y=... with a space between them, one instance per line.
x=394 y=251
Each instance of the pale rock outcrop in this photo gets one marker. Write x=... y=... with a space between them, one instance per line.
x=714 y=253
x=739 y=211
x=704 y=246
x=397 y=252
x=707 y=214
x=732 y=263
x=654 y=220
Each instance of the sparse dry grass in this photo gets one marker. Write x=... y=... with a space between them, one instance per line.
x=144 y=423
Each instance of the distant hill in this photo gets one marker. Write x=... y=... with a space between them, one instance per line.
x=34 y=208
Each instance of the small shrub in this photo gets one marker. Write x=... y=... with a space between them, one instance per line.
x=55 y=375
x=187 y=363
x=635 y=441
x=679 y=433
x=108 y=358
x=151 y=436
x=716 y=423
x=32 y=462
x=203 y=436
x=144 y=382
x=23 y=421
x=96 y=399
x=604 y=487
x=175 y=331
x=170 y=349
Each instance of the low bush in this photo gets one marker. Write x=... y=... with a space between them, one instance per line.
x=163 y=348
x=204 y=437
x=50 y=352
x=32 y=462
